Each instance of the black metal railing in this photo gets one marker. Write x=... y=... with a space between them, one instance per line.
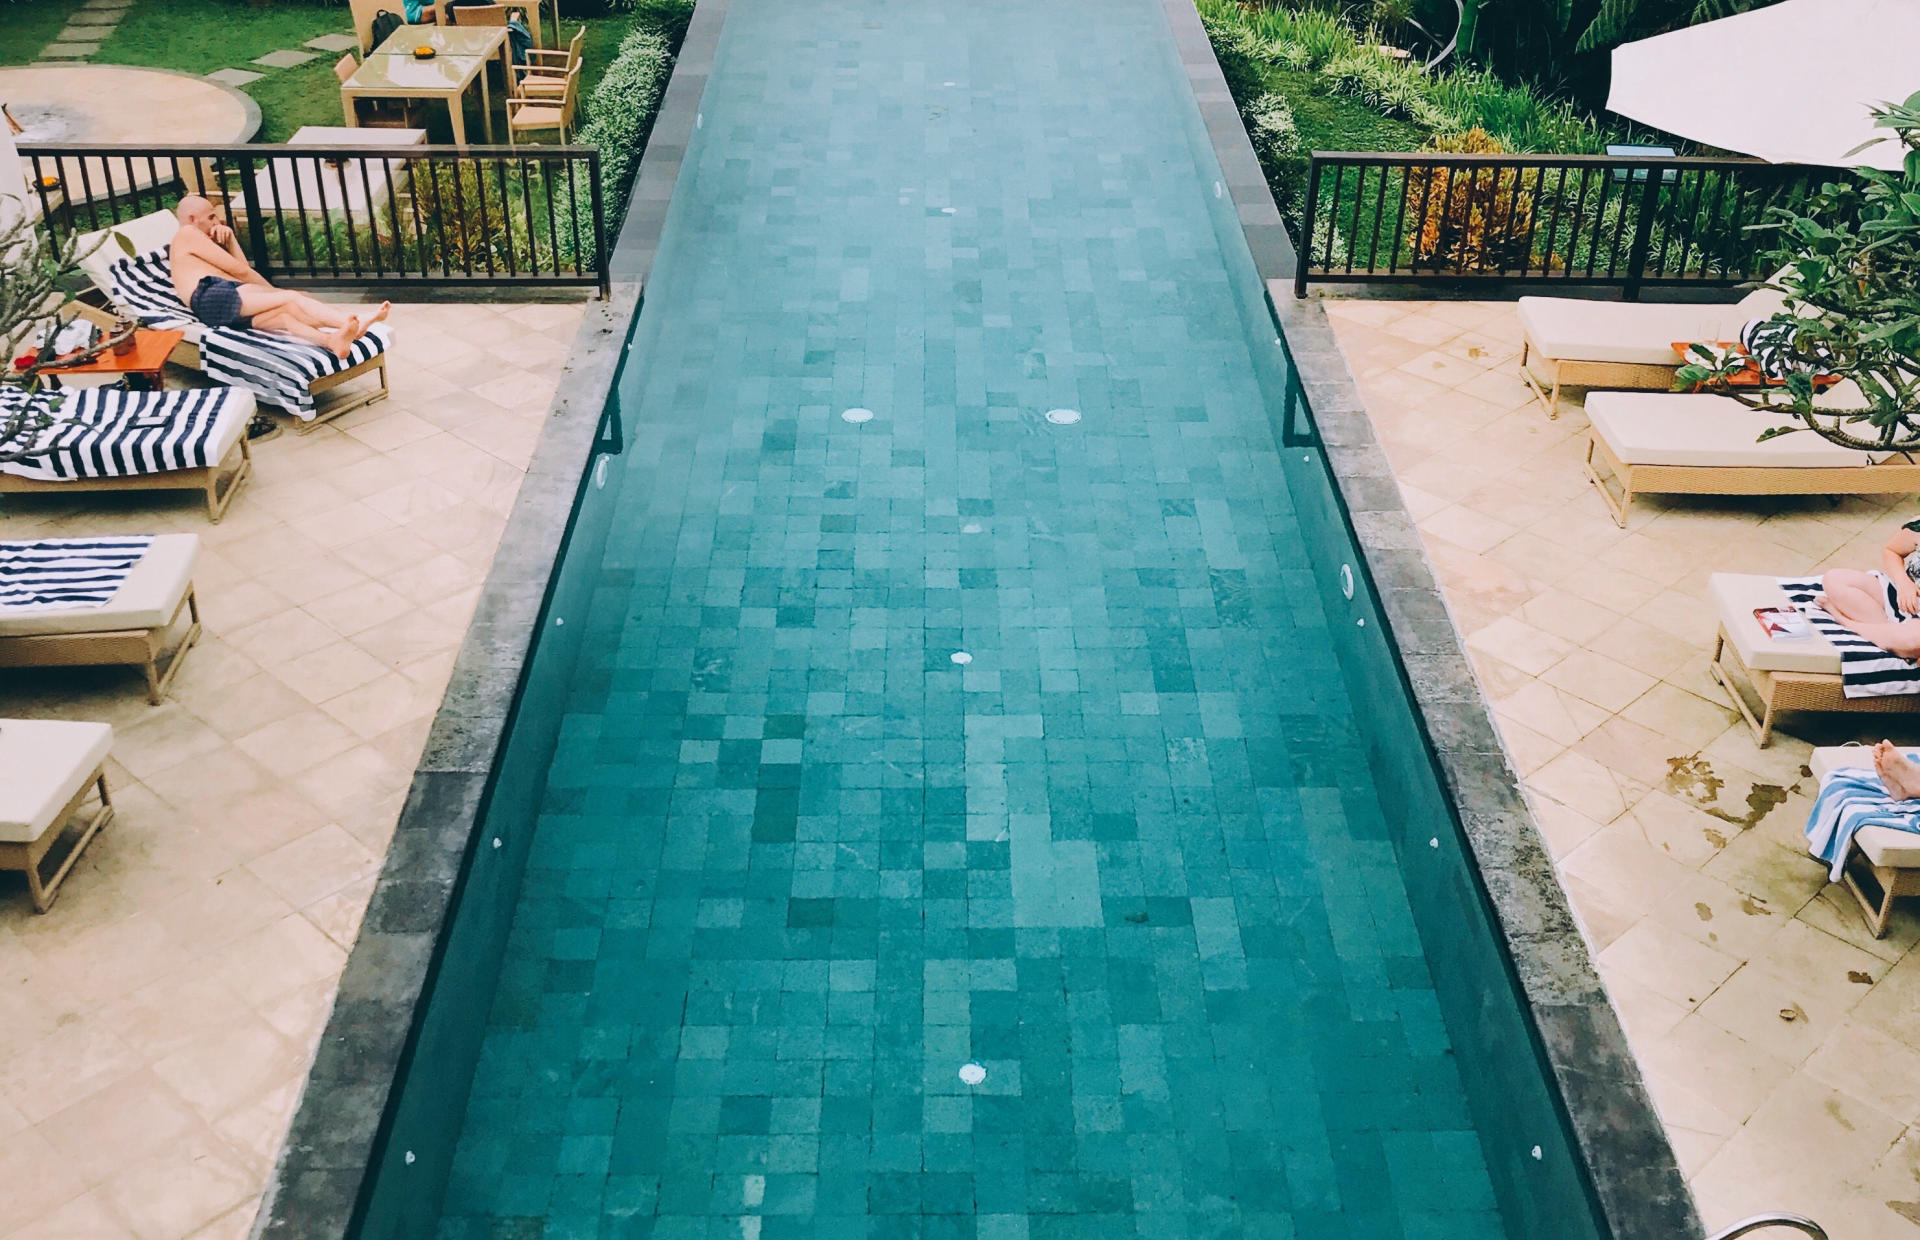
x=1420 y=218
x=407 y=216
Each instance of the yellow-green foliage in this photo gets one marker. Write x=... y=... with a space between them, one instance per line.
x=1470 y=218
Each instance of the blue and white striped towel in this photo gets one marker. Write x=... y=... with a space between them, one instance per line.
x=54 y=574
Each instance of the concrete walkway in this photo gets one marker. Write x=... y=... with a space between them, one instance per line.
x=156 y=1025
x=1779 y=1038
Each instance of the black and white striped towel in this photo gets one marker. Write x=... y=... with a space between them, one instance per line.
x=272 y=365
x=57 y=573
x=105 y=433
x=1865 y=669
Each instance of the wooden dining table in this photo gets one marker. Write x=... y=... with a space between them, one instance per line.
x=460 y=59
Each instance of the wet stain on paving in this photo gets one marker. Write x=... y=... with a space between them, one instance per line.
x=1692 y=779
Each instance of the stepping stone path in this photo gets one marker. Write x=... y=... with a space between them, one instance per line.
x=86 y=30
x=93 y=21
x=284 y=60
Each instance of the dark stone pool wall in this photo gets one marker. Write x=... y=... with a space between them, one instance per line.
x=352 y=1130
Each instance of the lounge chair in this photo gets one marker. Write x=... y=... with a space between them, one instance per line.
x=47 y=769
x=150 y=619
x=1703 y=444
x=287 y=373
x=1784 y=674
x=1890 y=858
x=193 y=439
x=1611 y=344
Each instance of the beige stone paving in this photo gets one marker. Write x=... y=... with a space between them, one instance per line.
x=1781 y=1042
x=155 y=1027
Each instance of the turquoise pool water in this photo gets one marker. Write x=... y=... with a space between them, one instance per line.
x=957 y=739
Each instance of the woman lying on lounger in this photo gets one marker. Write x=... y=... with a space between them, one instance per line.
x=1882 y=606
x=215 y=280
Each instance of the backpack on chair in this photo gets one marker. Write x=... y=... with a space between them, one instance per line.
x=385 y=22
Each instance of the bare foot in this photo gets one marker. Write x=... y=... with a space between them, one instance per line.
x=340 y=340
x=381 y=313
x=1898 y=772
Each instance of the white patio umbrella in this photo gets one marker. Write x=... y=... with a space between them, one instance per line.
x=1790 y=83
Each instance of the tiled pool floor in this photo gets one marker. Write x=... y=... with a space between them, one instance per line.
x=800 y=861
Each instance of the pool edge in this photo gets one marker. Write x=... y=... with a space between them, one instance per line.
x=323 y=1168
x=1621 y=1139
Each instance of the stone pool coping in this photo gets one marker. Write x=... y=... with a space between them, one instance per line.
x=321 y=1174
x=1620 y=1136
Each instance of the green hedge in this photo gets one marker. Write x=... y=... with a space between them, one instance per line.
x=621 y=110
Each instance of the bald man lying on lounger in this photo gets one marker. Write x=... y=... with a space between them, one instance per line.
x=212 y=276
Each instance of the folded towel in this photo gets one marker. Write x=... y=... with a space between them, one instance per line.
x=53 y=574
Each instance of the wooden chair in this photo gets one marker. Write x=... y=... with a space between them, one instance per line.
x=375 y=113
x=497 y=15
x=544 y=112
x=545 y=73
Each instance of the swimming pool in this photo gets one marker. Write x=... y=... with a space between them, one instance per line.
x=959 y=824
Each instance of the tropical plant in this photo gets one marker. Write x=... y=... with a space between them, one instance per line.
x=1852 y=286
x=1394 y=88
x=1276 y=141
x=1468 y=220
x=33 y=309
x=1621 y=20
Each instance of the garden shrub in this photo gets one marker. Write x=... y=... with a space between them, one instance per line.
x=1518 y=115
x=1239 y=64
x=621 y=109
x=1276 y=141
x=1270 y=124
x=1300 y=39
x=1391 y=87
x=1346 y=63
x=1469 y=219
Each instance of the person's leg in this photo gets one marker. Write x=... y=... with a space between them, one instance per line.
x=1854 y=596
x=284 y=318
x=321 y=314
x=1896 y=637
x=257 y=300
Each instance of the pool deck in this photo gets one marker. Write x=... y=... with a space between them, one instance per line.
x=1778 y=1038
x=156 y=1026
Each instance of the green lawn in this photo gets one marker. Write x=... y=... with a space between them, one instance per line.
x=30 y=25
x=199 y=36
x=1338 y=122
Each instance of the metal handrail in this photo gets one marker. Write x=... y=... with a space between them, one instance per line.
x=1759 y=1221
x=1436 y=217
x=350 y=213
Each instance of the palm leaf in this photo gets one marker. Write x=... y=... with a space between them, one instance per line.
x=1614 y=19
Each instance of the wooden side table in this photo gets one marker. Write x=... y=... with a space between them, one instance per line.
x=148 y=359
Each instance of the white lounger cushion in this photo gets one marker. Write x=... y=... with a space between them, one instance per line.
x=1702 y=430
x=1735 y=595
x=147 y=599
x=1882 y=845
x=1575 y=329
x=43 y=762
x=148 y=233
